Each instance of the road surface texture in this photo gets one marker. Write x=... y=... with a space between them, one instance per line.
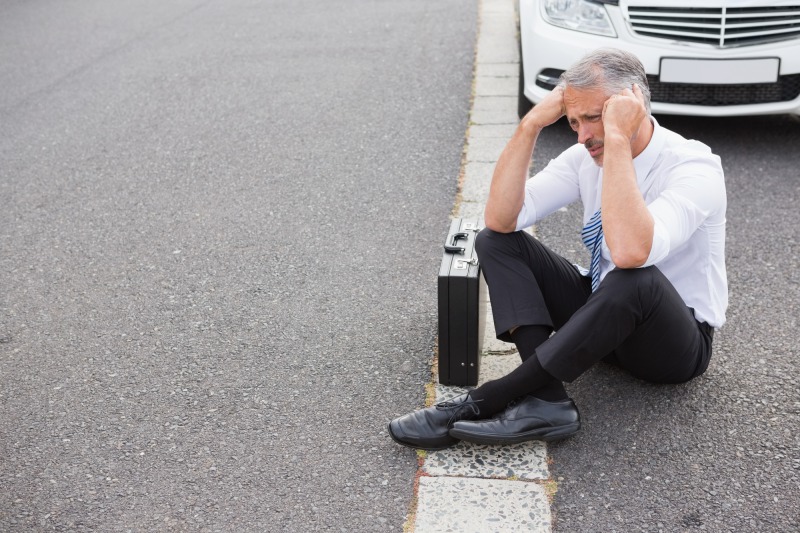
x=220 y=228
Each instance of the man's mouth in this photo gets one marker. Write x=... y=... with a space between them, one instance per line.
x=595 y=148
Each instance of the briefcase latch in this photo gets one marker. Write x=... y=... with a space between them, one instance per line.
x=462 y=264
x=471 y=226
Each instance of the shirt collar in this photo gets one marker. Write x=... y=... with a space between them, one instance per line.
x=643 y=162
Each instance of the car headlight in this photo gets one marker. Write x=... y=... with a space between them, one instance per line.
x=579 y=15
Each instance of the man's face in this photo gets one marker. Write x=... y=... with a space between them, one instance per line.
x=584 y=110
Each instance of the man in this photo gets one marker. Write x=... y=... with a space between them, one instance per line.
x=654 y=213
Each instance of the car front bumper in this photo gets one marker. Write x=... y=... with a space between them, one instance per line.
x=549 y=50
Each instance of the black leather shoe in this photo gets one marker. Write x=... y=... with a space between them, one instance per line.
x=428 y=429
x=528 y=418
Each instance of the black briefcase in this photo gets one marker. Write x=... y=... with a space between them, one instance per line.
x=461 y=306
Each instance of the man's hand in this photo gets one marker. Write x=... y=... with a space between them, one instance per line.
x=623 y=113
x=548 y=111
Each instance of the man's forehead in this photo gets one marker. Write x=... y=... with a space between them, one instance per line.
x=582 y=102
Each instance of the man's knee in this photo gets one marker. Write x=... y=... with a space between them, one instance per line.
x=633 y=281
x=489 y=242
x=484 y=241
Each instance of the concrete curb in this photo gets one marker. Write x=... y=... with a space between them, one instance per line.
x=486 y=488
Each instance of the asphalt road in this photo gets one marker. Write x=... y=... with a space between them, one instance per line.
x=722 y=453
x=220 y=228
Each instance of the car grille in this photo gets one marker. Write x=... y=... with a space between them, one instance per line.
x=722 y=27
x=787 y=88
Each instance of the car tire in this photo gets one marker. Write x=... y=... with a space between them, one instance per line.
x=523 y=104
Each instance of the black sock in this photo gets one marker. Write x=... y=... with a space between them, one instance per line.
x=527 y=378
x=528 y=338
x=552 y=392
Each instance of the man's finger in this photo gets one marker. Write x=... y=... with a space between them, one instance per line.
x=638 y=91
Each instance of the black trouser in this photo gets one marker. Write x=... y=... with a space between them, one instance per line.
x=635 y=318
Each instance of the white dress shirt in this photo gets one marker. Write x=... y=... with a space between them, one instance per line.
x=683 y=185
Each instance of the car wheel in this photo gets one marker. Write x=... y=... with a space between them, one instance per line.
x=523 y=104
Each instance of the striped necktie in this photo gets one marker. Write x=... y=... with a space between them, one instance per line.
x=592 y=237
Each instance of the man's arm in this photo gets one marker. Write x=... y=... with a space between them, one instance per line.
x=627 y=223
x=508 y=182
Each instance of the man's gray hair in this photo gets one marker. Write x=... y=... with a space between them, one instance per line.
x=609 y=69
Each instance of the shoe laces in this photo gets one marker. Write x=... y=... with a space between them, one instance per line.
x=515 y=402
x=459 y=407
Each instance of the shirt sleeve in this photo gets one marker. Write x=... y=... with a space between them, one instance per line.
x=695 y=190
x=551 y=189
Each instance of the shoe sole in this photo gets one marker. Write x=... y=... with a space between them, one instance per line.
x=542 y=434
x=417 y=446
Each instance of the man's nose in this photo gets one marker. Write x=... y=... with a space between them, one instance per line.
x=584 y=133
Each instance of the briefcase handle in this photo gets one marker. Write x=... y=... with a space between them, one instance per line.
x=452 y=248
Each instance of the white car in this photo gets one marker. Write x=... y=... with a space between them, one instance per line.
x=702 y=57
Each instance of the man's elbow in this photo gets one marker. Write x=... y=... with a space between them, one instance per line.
x=630 y=258
x=499 y=226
